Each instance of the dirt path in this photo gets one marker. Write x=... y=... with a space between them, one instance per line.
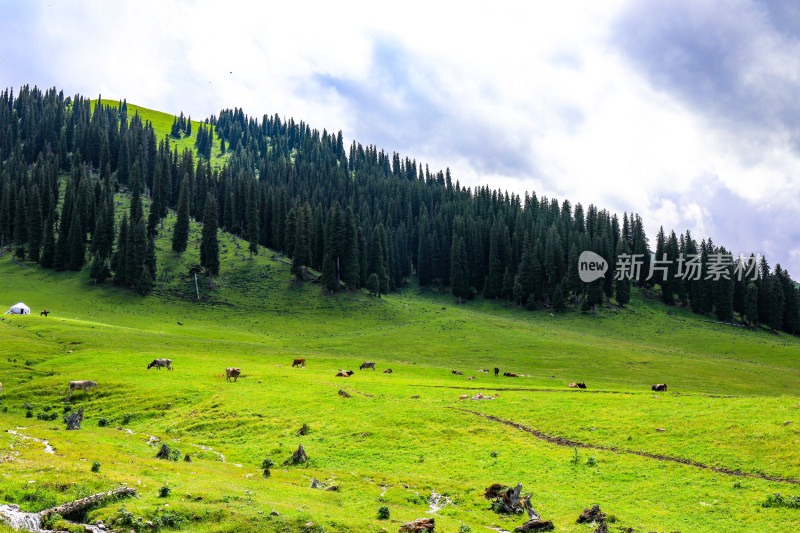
x=561 y=441
x=584 y=391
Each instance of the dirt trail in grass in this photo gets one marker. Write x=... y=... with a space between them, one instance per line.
x=585 y=391
x=561 y=441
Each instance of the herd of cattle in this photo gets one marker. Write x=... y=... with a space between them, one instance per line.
x=232 y=374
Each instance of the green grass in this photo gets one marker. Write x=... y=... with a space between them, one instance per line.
x=730 y=393
x=162 y=124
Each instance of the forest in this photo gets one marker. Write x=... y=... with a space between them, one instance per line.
x=362 y=218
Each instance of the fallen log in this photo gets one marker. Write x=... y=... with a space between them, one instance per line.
x=418 y=525
x=76 y=506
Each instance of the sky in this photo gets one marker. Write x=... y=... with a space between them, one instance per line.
x=685 y=111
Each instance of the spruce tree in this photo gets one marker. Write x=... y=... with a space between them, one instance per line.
x=49 y=250
x=373 y=286
x=119 y=262
x=351 y=267
x=775 y=301
x=209 y=245
x=100 y=270
x=76 y=244
x=253 y=231
x=34 y=222
x=459 y=276
x=20 y=225
x=751 y=304
x=301 y=250
x=180 y=233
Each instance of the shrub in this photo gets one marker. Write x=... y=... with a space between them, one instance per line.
x=175 y=454
x=5 y=409
x=103 y=422
x=267 y=463
x=28 y=414
x=778 y=500
x=46 y=416
x=383 y=513
x=95 y=466
x=464 y=528
x=126 y=419
x=591 y=461
x=164 y=491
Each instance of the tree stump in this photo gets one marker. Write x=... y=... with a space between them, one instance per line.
x=74 y=419
x=535 y=525
x=343 y=394
x=418 y=525
x=163 y=452
x=79 y=505
x=302 y=431
x=299 y=456
x=187 y=458
x=591 y=515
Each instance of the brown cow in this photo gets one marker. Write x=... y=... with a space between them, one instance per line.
x=661 y=387
x=387 y=371
x=299 y=362
x=580 y=385
x=232 y=373
x=510 y=375
x=573 y=385
x=342 y=374
x=457 y=373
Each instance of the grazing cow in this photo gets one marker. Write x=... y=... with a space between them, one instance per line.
x=661 y=387
x=367 y=364
x=299 y=362
x=159 y=363
x=387 y=371
x=232 y=373
x=84 y=385
x=510 y=375
x=457 y=373
x=44 y=313
x=496 y=371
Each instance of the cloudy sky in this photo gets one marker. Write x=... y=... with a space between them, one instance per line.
x=686 y=111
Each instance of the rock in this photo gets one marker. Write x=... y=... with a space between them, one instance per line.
x=274 y=513
x=309 y=525
x=535 y=525
x=315 y=484
x=591 y=515
x=149 y=525
x=332 y=488
x=418 y=525
x=601 y=528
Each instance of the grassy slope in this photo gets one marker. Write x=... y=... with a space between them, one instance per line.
x=383 y=446
x=256 y=319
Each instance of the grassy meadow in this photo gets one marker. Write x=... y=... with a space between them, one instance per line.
x=403 y=440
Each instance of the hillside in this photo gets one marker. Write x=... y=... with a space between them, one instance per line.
x=400 y=437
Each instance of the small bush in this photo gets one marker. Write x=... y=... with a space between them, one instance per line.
x=126 y=419
x=46 y=416
x=383 y=513
x=778 y=500
x=103 y=422
x=464 y=528
x=67 y=407
x=95 y=466
x=164 y=491
x=28 y=362
x=737 y=485
x=5 y=409
x=591 y=461
x=267 y=463
x=28 y=414
x=494 y=454
x=175 y=454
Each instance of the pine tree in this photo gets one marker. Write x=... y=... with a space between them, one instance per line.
x=351 y=268
x=775 y=301
x=751 y=304
x=100 y=270
x=301 y=251
x=49 y=250
x=594 y=295
x=20 y=225
x=559 y=302
x=180 y=233
x=373 y=286
x=209 y=245
x=253 y=231
x=34 y=222
x=329 y=280
x=459 y=276
x=119 y=263
x=76 y=244
x=508 y=284
x=494 y=280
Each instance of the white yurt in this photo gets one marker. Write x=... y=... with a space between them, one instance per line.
x=19 y=309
